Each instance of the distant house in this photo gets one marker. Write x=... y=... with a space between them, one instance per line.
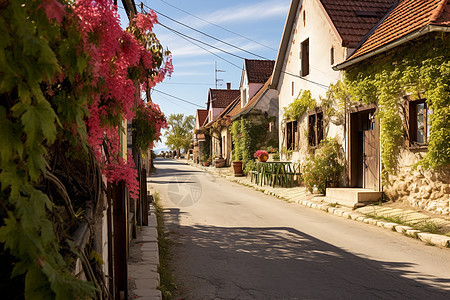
x=218 y=100
x=410 y=52
x=199 y=137
x=318 y=34
x=257 y=103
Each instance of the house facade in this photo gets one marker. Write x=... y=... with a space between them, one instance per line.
x=406 y=141
x=218 y=101
x=318 y=34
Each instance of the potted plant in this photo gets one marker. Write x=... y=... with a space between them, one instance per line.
x=262 y=155
x=207 y=162
x=276 y=156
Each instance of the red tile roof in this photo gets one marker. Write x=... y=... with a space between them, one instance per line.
x=258 y=71
x=409 y=16
x=353 y=19
x=202 y=114
x=222 y=98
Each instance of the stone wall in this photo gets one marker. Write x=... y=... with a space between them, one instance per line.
x=426 y=189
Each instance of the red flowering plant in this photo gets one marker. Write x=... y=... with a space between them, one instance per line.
x=260 y=152
x=69 y=78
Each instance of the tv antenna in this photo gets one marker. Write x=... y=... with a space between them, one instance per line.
x=215 y=73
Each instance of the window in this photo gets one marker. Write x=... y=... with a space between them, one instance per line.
x=419 y=125
x=292 y=89
x=291 y=135
x=305 y=58
x=315 y=128
x=332 y=56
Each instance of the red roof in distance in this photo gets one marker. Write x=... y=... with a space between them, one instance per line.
x=258 y=71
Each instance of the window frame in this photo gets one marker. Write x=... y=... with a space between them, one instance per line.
x=292 y=138
x=412 y=122
x=318 y=131
x=305 y=66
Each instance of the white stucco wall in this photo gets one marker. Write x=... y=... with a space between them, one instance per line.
x=322 y=36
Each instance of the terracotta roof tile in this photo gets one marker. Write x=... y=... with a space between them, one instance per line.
x=354 y=18
x=408 y=17
x=259 y=71
x=222 y=98
x=202 y=115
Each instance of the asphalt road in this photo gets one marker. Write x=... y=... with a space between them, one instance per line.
x=232 y=242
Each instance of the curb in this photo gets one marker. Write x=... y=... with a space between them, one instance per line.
x=427 y=238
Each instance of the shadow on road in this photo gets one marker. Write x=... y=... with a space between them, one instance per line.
x=283 y=263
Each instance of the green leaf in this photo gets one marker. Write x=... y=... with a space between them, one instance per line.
x=11 y=133
x=39 y=122
x=36 y=285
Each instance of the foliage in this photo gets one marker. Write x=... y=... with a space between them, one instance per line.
x=179 y=132
x=324 y=166
x=66 y=78
x=206 y=151
x=167 y=282
x=147 y=125
x=299 y=106
x=258 y=153
x=276 y=156
x=426 y=70
x=249 y=166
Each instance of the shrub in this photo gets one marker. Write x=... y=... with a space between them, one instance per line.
x=324 y=166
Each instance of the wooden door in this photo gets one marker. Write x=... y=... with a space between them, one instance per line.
x=370 y=160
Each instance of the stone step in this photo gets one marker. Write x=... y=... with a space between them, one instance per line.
x=353 y=195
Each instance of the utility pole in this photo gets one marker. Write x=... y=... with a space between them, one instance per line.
x=215 y=73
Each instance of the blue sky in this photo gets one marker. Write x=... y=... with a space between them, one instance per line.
x=260 y=22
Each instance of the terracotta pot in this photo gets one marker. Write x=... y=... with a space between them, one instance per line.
x=237 y=166
x=263 y=157
x=219 y=162
x=206 y=163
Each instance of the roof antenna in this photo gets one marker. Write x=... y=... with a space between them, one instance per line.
x=215 y=73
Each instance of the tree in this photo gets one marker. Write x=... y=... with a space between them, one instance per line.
x=179 y=134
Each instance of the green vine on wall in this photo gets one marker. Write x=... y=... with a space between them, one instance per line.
x=299 y=106
x=384 y=81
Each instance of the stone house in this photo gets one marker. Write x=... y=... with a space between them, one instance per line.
x=420 y=106
x=318 y=34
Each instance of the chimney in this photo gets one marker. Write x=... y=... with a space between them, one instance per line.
x=228 y=85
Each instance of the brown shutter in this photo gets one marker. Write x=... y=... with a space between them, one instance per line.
x=405 y=108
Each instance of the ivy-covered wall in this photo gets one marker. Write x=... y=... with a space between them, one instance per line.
x=419 y=69
x=249 y=134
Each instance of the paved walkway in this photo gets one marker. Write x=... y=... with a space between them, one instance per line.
x=143 y=262
x=403 y=221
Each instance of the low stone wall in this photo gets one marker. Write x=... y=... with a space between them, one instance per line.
x=425 y=189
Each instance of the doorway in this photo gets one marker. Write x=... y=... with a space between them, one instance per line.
x=364 y=149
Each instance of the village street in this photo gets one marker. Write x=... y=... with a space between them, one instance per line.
x=232 y=242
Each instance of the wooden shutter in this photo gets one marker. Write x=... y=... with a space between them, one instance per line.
x=405 y=108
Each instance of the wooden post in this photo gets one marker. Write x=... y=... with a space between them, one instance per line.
x=120 y=241
x=144 y=197
x=110 y=241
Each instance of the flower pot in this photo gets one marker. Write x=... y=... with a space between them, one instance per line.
x=219 y=162
x=206 y=163
x=237 y=167
x=263 y=157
